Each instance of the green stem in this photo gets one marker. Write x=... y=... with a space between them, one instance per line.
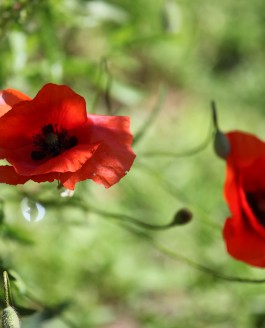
x=203 y=268
x=164 y=249
x=190 y=152
x=124 y=221
x=214 y=115
x=6 y=288
x=129 y=219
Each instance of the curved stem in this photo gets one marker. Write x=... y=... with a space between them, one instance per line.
x=176 y=193
x=124 y=220
x=129 y=219
x=161 y=247
x=192 y=151
x=203 y=268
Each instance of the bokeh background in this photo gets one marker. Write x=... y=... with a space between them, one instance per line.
x=161 y=62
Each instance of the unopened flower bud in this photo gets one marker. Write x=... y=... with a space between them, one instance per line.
x=182 y=216
x=222 y=146
x=10 y=318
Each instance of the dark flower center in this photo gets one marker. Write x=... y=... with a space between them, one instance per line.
x=256 y=201
x=51 y=142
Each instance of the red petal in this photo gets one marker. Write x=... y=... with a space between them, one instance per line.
x=245 y=148
x=54 y=104
x=244 y=244
x=231 y=191
x=69 y=161
x=244 y=234
x=245 y=173
x=49 y=177
x=114 y=156
x=9 y=98
x=10 y=176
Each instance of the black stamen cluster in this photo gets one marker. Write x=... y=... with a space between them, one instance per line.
x=51 y=142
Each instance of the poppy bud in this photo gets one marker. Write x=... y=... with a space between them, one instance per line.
x=10 y=318
x=221 y=145
x=182 y=216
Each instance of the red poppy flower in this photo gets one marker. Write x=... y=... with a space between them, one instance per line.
x=51 y=137
x=244 y=231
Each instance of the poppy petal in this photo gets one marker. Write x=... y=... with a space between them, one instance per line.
x=112 y=159
x=49 y=177
x=69 y=161
x=10 y=97
x=244 y=244
x=10 y=176
x=244 y=175
x=244 y=232
x=245 y=148
x=54 y=104
x=231 y=191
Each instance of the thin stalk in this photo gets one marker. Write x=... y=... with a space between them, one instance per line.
x=214 y=115
x=128 y=219
x=189 y=152
x=176 y=256
x=6 y=288
x=161 y=99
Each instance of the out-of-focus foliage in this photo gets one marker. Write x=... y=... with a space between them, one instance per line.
x=79 y=268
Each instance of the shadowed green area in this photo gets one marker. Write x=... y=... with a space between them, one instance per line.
x=86 y=264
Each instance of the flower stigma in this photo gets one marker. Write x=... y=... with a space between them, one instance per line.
x=51 y=142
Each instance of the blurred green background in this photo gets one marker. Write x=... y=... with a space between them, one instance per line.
x=159 y=62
